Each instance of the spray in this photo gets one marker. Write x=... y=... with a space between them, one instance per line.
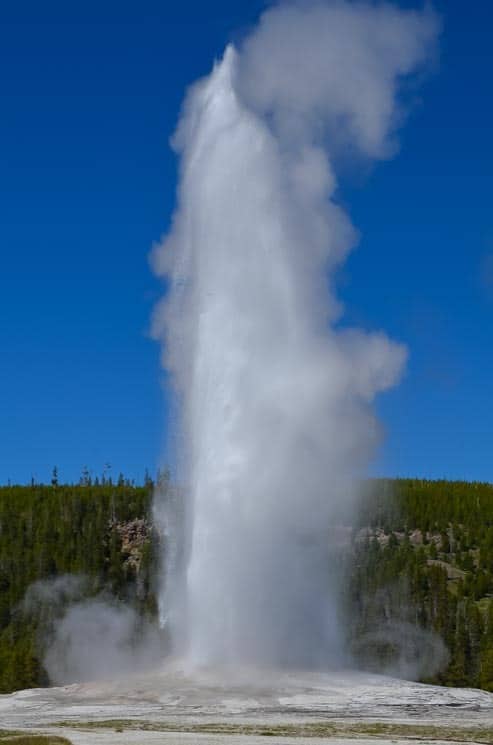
x=276 y=424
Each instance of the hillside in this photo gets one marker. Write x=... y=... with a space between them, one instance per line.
x=48 y=532
x=418 y=570
x=422 y=557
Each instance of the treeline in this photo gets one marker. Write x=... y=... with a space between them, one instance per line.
x=50 y=531
x=427 y=505
x=417 y=597
x=419 y=591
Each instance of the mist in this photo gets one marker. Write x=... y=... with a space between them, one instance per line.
x=51 y=596
x=85 y=635
x=275 y=399
x=100 y=640
x=411 y=652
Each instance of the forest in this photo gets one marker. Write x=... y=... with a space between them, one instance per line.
x=417 y=568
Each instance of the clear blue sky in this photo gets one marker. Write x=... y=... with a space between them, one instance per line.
x=90 y=93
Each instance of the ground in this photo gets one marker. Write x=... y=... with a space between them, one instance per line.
x=218 y=707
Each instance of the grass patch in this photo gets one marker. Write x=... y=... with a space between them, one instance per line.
x=382 y=730
x=21 y=738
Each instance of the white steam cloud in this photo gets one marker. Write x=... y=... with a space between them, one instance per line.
x=414 y=652
x=86 y=639
x=275 y=400
x=97 y=640
x=50 y=596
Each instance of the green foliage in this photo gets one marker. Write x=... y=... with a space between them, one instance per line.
x=421 y=558
x=424 y=558
x=48 y=531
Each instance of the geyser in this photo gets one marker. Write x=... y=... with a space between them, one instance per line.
x=274 y=397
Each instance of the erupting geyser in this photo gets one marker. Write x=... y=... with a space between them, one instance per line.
x=275 y=401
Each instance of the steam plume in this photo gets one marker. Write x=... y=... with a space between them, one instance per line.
x=98 y=640
x=275 y=401
x=88 y=638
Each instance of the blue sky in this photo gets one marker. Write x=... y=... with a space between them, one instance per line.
x=90 y=93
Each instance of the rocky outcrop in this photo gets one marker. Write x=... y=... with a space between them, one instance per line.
x=133 y=535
